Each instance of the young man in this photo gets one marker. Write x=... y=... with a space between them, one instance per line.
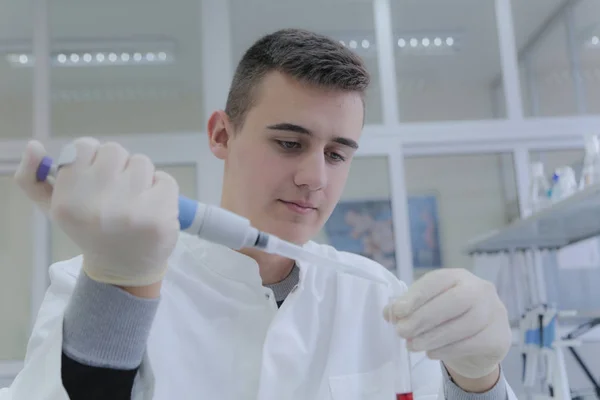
x=147 y=312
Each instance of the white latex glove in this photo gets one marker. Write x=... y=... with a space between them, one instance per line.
x=455 y=317
x=120 y=211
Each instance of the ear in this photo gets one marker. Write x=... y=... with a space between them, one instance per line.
x=219 y=134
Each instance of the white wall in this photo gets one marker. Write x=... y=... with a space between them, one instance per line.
x=446 y=102
x=177 y=113
x=16 y=118
x=555 y=92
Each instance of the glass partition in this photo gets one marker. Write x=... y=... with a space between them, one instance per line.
x=16 y=72
x=131 y=68
x=453 y=199
x=545 y=63
x=447 y=59
x=362 y=222
x=16 y=265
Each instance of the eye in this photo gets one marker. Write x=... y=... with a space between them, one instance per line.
x=335 y=157
x=287 y=145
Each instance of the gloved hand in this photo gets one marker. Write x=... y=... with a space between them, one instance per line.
x=455 y=317
x=120 y=211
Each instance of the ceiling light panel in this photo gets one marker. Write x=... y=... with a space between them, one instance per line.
x=96 y=53
x=429 y=43
x=95 y=59
x=362 y=43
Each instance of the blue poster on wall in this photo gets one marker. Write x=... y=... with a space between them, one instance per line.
x=366 y=227
x=424 y=231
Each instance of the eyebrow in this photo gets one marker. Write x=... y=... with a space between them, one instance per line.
x=286 y=126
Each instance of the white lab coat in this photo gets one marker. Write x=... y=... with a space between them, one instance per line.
x=218 y=334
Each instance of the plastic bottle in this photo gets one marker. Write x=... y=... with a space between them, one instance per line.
x=539 y=188
x=563 y=183
x=590 y=173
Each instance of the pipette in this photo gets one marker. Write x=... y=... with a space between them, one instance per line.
x=221 y=226
x=401 y=360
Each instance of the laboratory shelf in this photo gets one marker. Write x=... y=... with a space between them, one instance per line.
x=568 y=221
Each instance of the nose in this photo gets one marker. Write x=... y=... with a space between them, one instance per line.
x=312 y=171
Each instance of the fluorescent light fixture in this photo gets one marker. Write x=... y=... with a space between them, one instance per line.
x=435 y=43
x=409 y=43
x=95 y=53
x=362 y=43
x=88 y=59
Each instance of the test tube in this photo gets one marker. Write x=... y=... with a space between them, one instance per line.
x=401 y=361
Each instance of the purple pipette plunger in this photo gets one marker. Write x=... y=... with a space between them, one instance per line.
x=44 y=169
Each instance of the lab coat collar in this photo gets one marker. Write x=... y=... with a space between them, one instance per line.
x=229 y=263
x=232 y=264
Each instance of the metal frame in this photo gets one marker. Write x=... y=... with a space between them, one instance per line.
x=392 y=148
x=392 y=138
x=574 y=52
x=217 y=74
x=386 y=61
x=509 y=62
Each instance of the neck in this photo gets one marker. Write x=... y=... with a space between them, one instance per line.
x=272 y=268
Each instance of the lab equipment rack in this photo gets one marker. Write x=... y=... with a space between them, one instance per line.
x=566 y=222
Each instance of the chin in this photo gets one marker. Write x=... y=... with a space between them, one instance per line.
x=292 y=233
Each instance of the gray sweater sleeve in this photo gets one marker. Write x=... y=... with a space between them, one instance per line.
x=104 y=326
x=453 y=392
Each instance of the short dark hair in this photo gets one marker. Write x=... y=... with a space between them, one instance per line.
x=306 y=56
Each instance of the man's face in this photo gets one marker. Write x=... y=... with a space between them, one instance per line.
x=286 y=167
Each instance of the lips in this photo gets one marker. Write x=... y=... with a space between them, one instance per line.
x=300 y=207
x=302 y=204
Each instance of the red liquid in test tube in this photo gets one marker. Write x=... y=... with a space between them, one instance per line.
x=401 y=362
